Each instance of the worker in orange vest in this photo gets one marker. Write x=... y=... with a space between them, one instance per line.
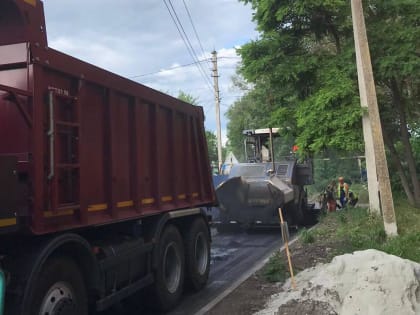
x=343 y=191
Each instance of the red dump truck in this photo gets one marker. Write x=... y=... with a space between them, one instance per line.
x=103 y=182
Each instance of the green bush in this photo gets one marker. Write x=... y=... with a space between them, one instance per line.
x=405 y=246
x=356 y=229
x=306 y=236
x=275 y=270
x=361 y=230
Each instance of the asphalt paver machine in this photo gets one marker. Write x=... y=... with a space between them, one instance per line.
x=253 y=191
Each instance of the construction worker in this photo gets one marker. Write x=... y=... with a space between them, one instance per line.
x=343 y=191
x=330 y=196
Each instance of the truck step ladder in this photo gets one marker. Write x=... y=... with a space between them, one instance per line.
x=64 y=142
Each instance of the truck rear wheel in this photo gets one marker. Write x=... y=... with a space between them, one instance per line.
x=169 y=280
x=197 y=246
x=59 y=290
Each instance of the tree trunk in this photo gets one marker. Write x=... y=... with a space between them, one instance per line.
x=405 y=139
x=400 y=170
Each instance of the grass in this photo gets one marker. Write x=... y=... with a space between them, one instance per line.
x=361 y=192
x=408 y=217
x=306 y=236
x=275 y=270
x=356 y=229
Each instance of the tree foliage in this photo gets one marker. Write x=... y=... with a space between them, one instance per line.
x=212 y=147
x=303 y=75
x=188 y=98
x=210 y=136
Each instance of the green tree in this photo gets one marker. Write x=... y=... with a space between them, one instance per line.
x=249 y=112
x=303 y=70
x=394 y=32
x=210 y=136
x=188 y=98
x=299 y=59
x=212 y=146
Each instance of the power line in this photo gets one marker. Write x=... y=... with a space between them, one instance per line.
x=176 y=24
x=195 y=30
x=195 y=57
x=176 y=67
x=229 y=57
x=165 y=70
x=182 y=36
x=186 y=40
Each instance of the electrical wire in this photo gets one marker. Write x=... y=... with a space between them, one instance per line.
x=166 y=70
x=195 y=57
x=179 y=67
x=186 y=41
x=195 y=31
x=229 y=57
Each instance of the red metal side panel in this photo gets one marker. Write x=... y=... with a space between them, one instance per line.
x=99 y=148
x=12 y=127
x=132 y=157
x=165 y=150
x=179 y=138
x=145 y=131
x=120 y=156
x=14 y=132
x=93 y=154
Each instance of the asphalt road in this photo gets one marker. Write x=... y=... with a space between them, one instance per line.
x=232 y=255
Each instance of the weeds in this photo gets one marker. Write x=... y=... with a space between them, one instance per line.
x=408 y=217
x=306 y=236
x=357 y=229
x=342 y=218
x=406 y=246
x=354 y=229
x=275 y=270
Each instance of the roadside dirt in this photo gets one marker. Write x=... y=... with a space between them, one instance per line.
x=248 y=298
x=251 y=296
x=309 y=307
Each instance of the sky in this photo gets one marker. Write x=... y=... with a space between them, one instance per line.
x=139 y=40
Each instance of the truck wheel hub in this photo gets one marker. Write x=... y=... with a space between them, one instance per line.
x=201 y=253
x=172 y=267
x=58 y=301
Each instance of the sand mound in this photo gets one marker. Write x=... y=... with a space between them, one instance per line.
x=366 y=282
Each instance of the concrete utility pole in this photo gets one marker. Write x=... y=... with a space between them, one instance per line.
x=376 y=164
x=217 y=99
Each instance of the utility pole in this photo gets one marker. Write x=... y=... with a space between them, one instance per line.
x=217 y=99
x=376 y=163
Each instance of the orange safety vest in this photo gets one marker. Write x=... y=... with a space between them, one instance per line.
x=344 y=188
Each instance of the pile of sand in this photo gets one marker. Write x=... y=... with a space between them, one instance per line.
x=365 y=283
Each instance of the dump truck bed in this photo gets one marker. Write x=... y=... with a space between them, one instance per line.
x=90 y=147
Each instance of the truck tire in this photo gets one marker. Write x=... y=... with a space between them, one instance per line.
x=197 y=255
x=169 y=276
x=58 y=290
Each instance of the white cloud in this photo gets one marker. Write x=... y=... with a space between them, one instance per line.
x=133 y=38
x=100 y=53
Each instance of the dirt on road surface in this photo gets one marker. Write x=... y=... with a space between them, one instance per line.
x=252 y=295
x=364 y=282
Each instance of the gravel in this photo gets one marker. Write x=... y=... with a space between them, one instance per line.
x=366 y=282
